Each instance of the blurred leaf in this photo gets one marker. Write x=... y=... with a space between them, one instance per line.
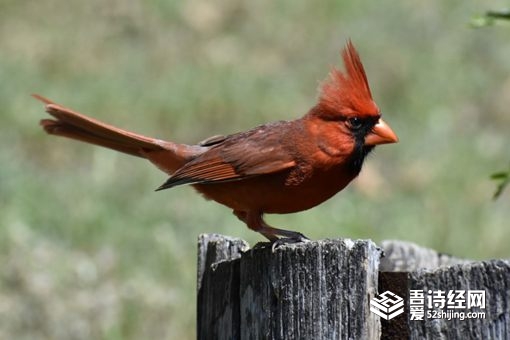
x=489 y=18
x=503 y=14
x=481 y=21
x=503 y=177
x=499 y=175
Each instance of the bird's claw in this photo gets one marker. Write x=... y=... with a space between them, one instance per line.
x=290 y=238
x=262 y=245
x=298 y=238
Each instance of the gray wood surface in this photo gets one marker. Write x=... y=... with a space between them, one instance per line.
x=321 y=290
x=313 y=290
x=493 y=277
x=400 y=256
x=218 y=286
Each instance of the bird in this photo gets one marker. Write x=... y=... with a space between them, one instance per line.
x=275 y=168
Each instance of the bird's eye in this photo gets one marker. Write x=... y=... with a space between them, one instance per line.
x=355 y=123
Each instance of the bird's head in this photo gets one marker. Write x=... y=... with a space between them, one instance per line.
x=345 y=99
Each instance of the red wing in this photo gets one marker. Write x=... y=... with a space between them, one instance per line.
x=256 y=152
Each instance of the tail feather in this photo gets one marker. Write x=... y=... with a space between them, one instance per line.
x=67 y=117
x=57 y=128
x=67 y=123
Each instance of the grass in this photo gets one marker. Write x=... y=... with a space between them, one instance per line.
x=88 y=250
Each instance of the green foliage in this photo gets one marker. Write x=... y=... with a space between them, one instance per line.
x=490 y=18
x=89 y=250
x=503 y=179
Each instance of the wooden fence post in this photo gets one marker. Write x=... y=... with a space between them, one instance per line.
x=313 y=290
x=321 y=290
x=493 y=277
x=218 y=286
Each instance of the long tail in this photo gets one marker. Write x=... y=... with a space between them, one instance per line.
x=167 y=156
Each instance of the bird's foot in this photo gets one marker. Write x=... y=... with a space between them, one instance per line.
x=262 y=245
x=298 y=238
x=293 y=238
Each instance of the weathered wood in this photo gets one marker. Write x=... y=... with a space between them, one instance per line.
x=322 y=289
x=397 y=283
x=402 y=256
x=313 y=290
x=407 y=266
x=493 y=277
x=218 y=286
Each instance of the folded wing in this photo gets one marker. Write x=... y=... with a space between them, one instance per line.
x=247 y=154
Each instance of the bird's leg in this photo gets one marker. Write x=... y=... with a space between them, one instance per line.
x=243 y=216
x=255 y=222
x=288 y=236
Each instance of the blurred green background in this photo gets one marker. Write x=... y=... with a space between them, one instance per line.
x=89 y=250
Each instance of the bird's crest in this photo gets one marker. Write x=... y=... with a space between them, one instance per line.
x=347 y=92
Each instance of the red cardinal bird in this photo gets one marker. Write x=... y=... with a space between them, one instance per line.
x=278 y=168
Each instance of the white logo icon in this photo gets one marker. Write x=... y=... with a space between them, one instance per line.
x=387 y=305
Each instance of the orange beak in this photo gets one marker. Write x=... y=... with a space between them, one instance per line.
x=381 y=134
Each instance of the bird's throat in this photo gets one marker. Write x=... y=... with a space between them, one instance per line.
x=358 y=156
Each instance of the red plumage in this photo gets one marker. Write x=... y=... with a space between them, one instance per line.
x=280 y=167
x=348 y=92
